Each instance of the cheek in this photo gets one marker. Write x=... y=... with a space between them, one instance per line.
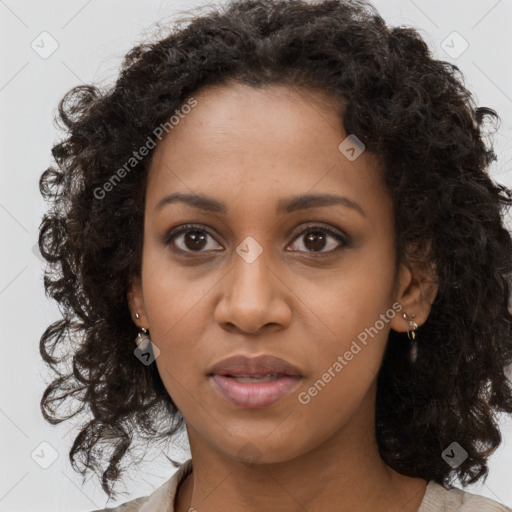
x=177 y=312
x=353 y=314
x=173 y=294
x=180 y=303
x=346 y=303
x=345 y=363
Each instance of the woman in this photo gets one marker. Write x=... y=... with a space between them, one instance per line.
x=287 y=205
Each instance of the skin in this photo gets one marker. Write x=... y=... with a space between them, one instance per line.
x=249 y=148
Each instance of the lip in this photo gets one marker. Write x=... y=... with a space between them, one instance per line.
x=254 y=395
x=240 y=365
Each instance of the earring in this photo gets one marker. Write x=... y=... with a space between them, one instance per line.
x=411 y=334
x=142 y=340
x=413 y=354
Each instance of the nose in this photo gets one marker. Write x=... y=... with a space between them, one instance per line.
x=253 y=297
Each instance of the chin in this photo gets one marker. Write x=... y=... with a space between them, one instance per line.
x=263 y=450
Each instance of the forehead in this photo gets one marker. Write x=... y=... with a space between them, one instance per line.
x=257 y=141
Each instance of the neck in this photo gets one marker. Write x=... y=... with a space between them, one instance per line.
x=345 y=473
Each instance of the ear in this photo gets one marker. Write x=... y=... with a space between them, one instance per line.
x=136 y=302
x=416 y=291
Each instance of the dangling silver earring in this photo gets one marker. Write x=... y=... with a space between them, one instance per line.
x=142 y=340
x=411 y=334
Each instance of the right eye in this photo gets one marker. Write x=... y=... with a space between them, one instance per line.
x=195 y=238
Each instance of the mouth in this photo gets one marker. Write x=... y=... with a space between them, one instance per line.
x=254 y=392
x=253 y=383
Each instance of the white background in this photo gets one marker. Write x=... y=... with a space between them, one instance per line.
x=92 y=38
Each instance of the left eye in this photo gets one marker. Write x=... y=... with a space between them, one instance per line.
x=314 y=239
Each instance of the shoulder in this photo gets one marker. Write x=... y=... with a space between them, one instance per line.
x=439 y=499
x=162 y=498
x=129 y=506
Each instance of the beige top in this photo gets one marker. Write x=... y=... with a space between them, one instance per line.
x=436 y=499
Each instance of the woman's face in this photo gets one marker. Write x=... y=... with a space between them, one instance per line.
x=263 y=272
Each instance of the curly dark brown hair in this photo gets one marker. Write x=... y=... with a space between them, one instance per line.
x=409 y=109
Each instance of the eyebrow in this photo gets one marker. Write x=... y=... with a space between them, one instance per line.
x=287 y=205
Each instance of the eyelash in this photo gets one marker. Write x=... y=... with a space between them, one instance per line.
x=338 y=235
